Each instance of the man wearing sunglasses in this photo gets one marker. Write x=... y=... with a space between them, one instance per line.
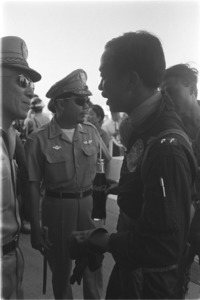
x=17 y=90
x=62 y=155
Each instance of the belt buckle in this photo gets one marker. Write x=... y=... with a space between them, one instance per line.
x=81 y=194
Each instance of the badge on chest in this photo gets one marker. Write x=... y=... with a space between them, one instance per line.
x=134 y=156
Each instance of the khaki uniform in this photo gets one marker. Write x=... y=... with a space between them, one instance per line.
x=65 y=166
x=12 y=262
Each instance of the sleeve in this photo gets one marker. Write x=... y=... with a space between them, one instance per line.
x=105 y=138
x=35 y=158
x=164 y=222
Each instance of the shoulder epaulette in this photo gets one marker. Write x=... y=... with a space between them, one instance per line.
x=89 y=124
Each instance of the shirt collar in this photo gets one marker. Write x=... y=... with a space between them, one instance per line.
x=55 y=130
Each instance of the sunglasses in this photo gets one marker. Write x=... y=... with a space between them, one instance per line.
x=23 y=81
x=80 y=101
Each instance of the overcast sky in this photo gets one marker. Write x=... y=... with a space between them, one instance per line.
x=62 y=36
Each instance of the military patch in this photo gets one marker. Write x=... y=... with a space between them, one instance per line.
x=134 y=156
x=87 y=142
x=57 y=147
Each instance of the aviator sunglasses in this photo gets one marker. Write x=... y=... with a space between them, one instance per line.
x=82 y=101
x=23 y=81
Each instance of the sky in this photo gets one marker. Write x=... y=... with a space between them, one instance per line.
x=62 y=36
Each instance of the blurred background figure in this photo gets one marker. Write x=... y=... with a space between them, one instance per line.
x=96 y=117
x=180 y=82
x=36 y=117
x=111 y=126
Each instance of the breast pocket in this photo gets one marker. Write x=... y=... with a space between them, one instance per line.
x=58 y=166
x=89 y=153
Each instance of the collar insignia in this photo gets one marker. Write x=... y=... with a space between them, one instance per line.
x=134 y=156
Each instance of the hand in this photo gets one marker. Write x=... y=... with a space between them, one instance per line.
x=112 y=189
x=38 y=242
x=80 y=243
x=93 y=261
x=80 y=266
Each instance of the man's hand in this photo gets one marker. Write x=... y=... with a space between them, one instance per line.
x=80 y=266
x=38 y=242
x=92 y=261
x=87 y=242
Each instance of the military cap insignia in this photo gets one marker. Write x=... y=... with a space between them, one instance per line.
x=134 y=156
x=24 y=50
x=56 y=147
x=83 y=77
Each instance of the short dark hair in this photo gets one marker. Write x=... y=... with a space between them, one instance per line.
x=186 y=73
x=142 y=52
x=99 y=111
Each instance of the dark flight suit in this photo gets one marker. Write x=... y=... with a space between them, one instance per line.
x=154 y=199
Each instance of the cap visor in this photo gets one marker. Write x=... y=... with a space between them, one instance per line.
x=33 y=75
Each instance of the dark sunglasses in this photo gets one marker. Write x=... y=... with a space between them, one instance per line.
x=80 y=101
x=23 y=81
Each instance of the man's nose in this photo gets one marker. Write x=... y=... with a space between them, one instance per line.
x=29 y=92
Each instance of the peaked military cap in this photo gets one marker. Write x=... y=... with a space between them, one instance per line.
x=74 y=83
x=14 y=54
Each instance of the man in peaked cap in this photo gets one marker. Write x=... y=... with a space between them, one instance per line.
x=17 y=90
x=62 y=155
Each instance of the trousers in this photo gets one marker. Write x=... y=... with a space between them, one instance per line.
x=62 y=216
x=12 y=265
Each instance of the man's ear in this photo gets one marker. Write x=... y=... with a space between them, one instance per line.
x=133 y=79
x=193 y=89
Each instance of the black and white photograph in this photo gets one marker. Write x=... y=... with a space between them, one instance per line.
x=100 y=149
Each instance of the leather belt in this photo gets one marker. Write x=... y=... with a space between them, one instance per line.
x=76 y=195
x=11 y=246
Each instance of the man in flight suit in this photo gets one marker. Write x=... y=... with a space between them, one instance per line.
x=17 y=90
x=62 y=155
x=158 y=171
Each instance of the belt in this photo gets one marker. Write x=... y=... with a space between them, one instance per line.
x=76 y=195
x=11 y=246
x=160 y=270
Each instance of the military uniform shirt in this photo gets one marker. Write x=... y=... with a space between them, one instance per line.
x=9 y=206
x=60 y=164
